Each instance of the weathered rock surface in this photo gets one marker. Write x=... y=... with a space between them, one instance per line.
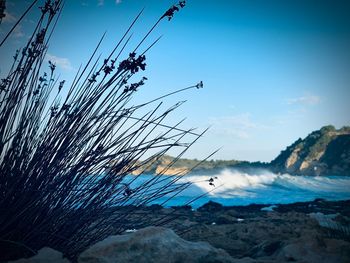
x=306 y=232
x=278 y=235
x=313 y=250
x=152 y=244
x=322 y=152
x=44 y=255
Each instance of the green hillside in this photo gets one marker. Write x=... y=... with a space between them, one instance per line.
x=322 y=152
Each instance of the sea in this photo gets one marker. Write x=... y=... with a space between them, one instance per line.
x=234 y=187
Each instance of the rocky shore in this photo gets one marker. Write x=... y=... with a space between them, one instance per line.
x=317 y=231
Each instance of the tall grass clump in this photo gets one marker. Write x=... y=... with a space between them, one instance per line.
x=64 y=158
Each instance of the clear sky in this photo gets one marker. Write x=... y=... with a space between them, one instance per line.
x=273 y=70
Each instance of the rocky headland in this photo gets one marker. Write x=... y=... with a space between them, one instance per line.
x=322 y=152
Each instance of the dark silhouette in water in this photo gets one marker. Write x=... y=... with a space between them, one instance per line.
x=211 y=181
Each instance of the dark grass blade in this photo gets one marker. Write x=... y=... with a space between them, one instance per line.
x=64 y=161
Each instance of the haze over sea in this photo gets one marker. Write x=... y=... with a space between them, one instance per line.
x=233 y=187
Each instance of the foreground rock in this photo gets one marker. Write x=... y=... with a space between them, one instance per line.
x=152 y=244
x=44 y=255
x=284 y=233
x=312 y=232
x=313 y=250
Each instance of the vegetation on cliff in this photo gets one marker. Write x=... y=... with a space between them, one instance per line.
x=322 y=152
x=182 y=166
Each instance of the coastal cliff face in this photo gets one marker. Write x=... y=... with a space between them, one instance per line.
x=164 y=165
x=323 y=152
x=167 y=165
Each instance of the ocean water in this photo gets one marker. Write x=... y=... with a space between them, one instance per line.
x=233 y=187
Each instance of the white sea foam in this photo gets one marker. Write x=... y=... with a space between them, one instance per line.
x=228 y=183
x=234 y=187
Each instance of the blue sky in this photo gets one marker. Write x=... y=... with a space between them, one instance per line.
x=273 y=70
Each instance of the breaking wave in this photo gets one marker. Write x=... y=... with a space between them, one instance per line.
x=233 y=187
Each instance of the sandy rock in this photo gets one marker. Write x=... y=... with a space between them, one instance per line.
x=210 y=207
x=251 y=260
x=152 y=244
x=44 y=255
x=226 y=219
x=313 y=250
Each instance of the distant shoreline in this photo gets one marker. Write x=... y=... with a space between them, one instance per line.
x=323 y=152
